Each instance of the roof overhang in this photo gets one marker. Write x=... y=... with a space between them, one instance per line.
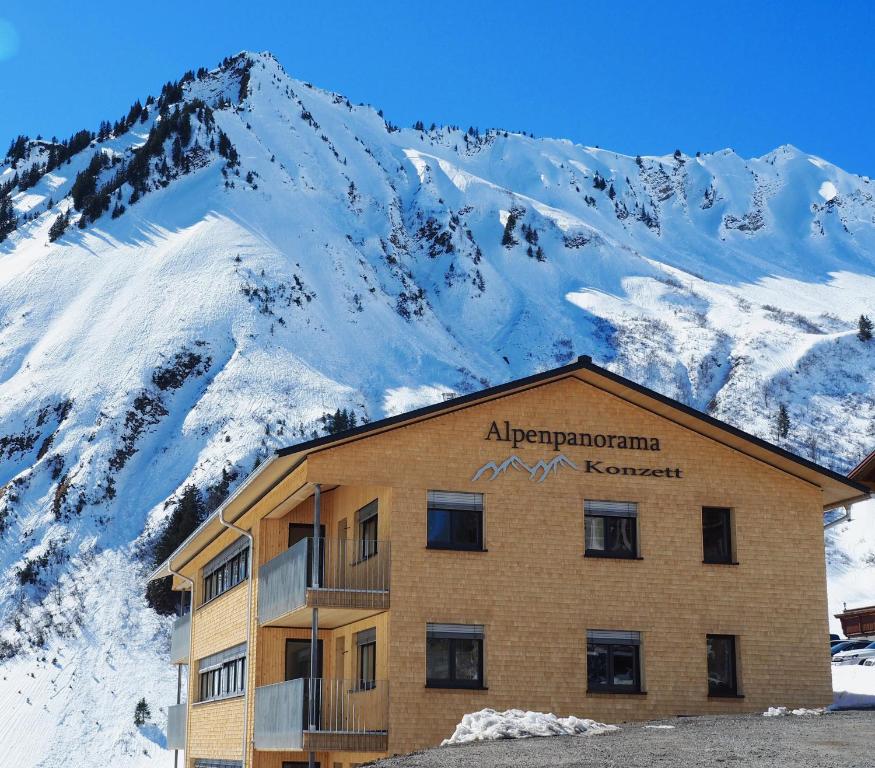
x=864 y=472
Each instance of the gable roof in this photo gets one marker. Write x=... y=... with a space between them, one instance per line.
x=837 y=488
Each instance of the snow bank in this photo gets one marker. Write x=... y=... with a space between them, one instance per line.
x=489 y=725
x=853 y=687
x=781 y=711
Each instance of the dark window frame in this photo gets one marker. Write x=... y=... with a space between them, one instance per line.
x=591 y=514
x=368 y=525
x=723 y=692
x=456 y=515
x=612 y=646
x=369 y=648
x=726 y=536
x=452 y=681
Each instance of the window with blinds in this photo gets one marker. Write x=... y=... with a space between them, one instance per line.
x=367 y=658
x=201 y=762
x=455 y=520
x=367 y=525
x=613 y=661
x=610 y=529
x=223 y=674
x=226 y=570
x=454 y=656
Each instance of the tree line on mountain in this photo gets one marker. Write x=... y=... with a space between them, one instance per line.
x=93 y=199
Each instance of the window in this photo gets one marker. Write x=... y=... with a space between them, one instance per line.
x=722 y=677
x=367 y=523
x=455 y=520
x=613 y=661
x=208 y=763
x=222 y=675
x=717 y=534
x=454 y=656
x=226 y=570
x=367 y=658
x=610 y=528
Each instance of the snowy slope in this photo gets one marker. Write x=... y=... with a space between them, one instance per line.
x=330 y=260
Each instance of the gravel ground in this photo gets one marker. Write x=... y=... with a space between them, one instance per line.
x=831 y=740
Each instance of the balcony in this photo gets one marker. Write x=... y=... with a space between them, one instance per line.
x=353 y=583
x=180 y=640
x=318 y=714
x=176 y=714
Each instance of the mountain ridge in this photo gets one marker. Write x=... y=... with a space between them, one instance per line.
x=223 y=297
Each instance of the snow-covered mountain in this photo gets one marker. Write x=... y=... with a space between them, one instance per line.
x=203 y=280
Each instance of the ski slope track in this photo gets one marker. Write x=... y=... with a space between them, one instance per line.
x=216 y=305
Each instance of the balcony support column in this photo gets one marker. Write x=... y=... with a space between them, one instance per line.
x=315 y=672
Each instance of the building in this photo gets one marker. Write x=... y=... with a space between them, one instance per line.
x=859 y=622
x=570 y=542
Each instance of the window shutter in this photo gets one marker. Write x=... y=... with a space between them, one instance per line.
x=366 y=636
x=468 y=502
x=367 y=511
x=217 y=659
x=225 y=555
x=613 y=636
x=462 y=631
x=610 y=508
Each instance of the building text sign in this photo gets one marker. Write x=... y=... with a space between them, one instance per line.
x=558 y=439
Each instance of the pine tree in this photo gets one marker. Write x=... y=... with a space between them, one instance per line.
x=864 y=328
x=59 y=226
x=782 y=422
x=507 y=239
x=142 y=713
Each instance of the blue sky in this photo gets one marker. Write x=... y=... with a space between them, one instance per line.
x=637 y=77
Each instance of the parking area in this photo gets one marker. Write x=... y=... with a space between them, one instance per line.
x=831 y=740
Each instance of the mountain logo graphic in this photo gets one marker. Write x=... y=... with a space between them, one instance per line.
x=537 y=472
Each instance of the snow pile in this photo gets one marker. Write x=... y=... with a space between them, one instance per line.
x=853 y=687
x=489 y=725
x=781 y=711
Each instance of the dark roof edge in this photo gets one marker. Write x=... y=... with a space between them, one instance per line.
x=429 y=410
x=864 y=464
x=584 y=362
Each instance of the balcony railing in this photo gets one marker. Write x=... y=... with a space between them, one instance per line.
x=321 y=714
x=180 y=640
x=176 y=726
x=353 y=574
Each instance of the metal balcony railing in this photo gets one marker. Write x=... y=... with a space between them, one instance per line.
x=322 y=714
x=180 y=640
x=352 y=574
x=176 y=714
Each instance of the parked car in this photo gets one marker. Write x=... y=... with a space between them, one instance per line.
x=848 y=645
x=834 y=638
x=854 y=655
